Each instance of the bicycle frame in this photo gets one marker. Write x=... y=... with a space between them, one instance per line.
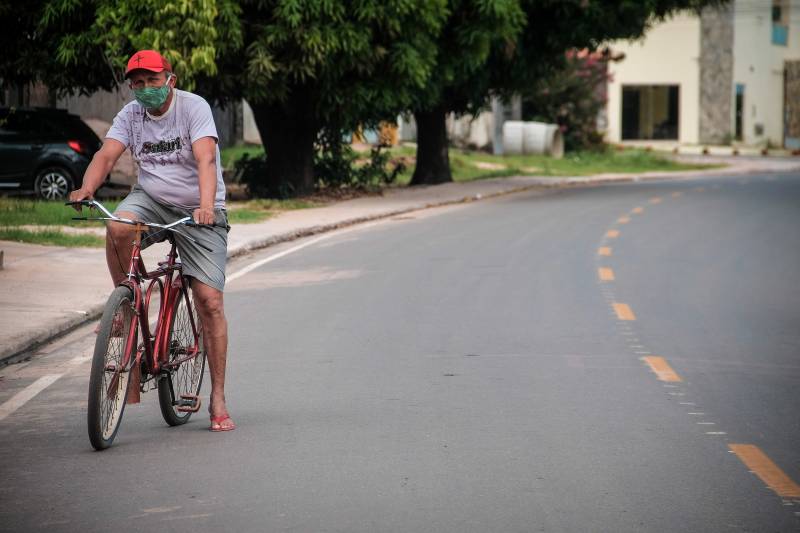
x=154 y=347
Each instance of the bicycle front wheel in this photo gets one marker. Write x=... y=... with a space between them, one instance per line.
x=108 y=381
x=185 y=378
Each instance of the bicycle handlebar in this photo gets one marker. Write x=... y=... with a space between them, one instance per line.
x=185 y=221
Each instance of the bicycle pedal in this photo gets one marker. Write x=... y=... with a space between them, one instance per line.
x=189 y=403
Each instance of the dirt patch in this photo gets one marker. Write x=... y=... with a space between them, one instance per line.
x=486 y=165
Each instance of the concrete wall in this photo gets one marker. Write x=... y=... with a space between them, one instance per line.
x=470 y=131
x=102 y=105
x=792 y=133
x=759 y=64
x=716 y=75
x=249 y=130
x=668 y=55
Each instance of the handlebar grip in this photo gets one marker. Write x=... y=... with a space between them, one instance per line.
x=193 y=224
x=81 y=202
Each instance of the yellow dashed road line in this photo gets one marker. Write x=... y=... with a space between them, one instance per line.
x=661 y=368
x=606 y=274
x=612 y=234
x=677 y=194
x=623 y=220
x=770 y=473
x=638 y=210
x=623 y=311
x=655 y=200
x=604 y=250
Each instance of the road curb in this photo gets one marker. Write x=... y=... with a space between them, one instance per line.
x=24 y=349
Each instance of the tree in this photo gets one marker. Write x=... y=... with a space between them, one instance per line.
x=551 y=27
x=473 y=30
x=304 y=66
x=312 y=66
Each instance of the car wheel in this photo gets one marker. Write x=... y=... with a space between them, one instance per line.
x=53 y=183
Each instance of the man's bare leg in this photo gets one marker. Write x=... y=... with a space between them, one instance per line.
x=210 y=307
x=119 y=245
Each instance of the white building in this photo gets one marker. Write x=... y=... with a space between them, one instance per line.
x=728 y=75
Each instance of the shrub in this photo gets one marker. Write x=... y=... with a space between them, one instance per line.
x=573 y=98
x=336 y=166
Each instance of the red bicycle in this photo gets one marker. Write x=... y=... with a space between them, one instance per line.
x=170 y=356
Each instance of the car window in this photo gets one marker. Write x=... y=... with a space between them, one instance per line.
x=70 y=126
x=20 y=124
x=80 y=129
x=13 y=123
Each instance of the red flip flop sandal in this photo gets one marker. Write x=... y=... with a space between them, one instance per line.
x=218 y=420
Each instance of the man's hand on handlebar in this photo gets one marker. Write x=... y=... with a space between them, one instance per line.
x=78 y=195
x=203 y=215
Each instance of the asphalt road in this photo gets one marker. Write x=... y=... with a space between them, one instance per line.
x=485 y=367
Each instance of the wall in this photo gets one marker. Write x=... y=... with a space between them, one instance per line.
x=716 y=75
x=102 y=105
x=792 y=133
x=758 y=65
x=668 y=56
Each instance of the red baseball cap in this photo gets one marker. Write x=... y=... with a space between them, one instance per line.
x=147 y=60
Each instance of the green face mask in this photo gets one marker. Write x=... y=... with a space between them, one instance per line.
x=152 y=97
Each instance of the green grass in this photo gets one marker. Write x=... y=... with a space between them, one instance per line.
x=261 y=209
x=20 y=212
x=51 y=237
x=463 y=164
x=234 y=153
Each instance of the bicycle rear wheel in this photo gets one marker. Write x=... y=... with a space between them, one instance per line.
x=108 y=381
x=187 y=378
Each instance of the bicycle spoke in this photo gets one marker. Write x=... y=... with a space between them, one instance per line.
x=186 y=359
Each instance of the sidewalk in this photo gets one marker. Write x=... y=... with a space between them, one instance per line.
x=45 y=290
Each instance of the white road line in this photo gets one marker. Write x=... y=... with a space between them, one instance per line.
x=249 y=268
x=22 y=397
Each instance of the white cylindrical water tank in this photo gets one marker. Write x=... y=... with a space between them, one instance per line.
x=542 y=138
x=512 y=137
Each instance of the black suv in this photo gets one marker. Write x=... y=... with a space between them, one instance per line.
x=44 y=150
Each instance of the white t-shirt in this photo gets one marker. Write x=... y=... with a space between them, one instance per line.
x=162 y=148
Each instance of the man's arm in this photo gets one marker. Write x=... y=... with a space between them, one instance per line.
x=102 y=163
x=205 y=153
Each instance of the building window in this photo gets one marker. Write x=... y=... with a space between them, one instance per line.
x=780 y=22
x=739 y=112
x=650 y=112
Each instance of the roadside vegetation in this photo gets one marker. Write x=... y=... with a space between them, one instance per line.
x=52 y=237
x=43 y=222
x=470 y=165
x=50 y=222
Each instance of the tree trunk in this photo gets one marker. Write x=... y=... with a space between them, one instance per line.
x=288 y=132
x=433 y=160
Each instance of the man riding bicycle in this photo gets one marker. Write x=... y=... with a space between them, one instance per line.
x=173 y=139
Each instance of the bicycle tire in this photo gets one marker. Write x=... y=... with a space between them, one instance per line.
x=108 y=381
x=187 y=378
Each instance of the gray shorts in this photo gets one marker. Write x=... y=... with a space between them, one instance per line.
x=207 y=267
